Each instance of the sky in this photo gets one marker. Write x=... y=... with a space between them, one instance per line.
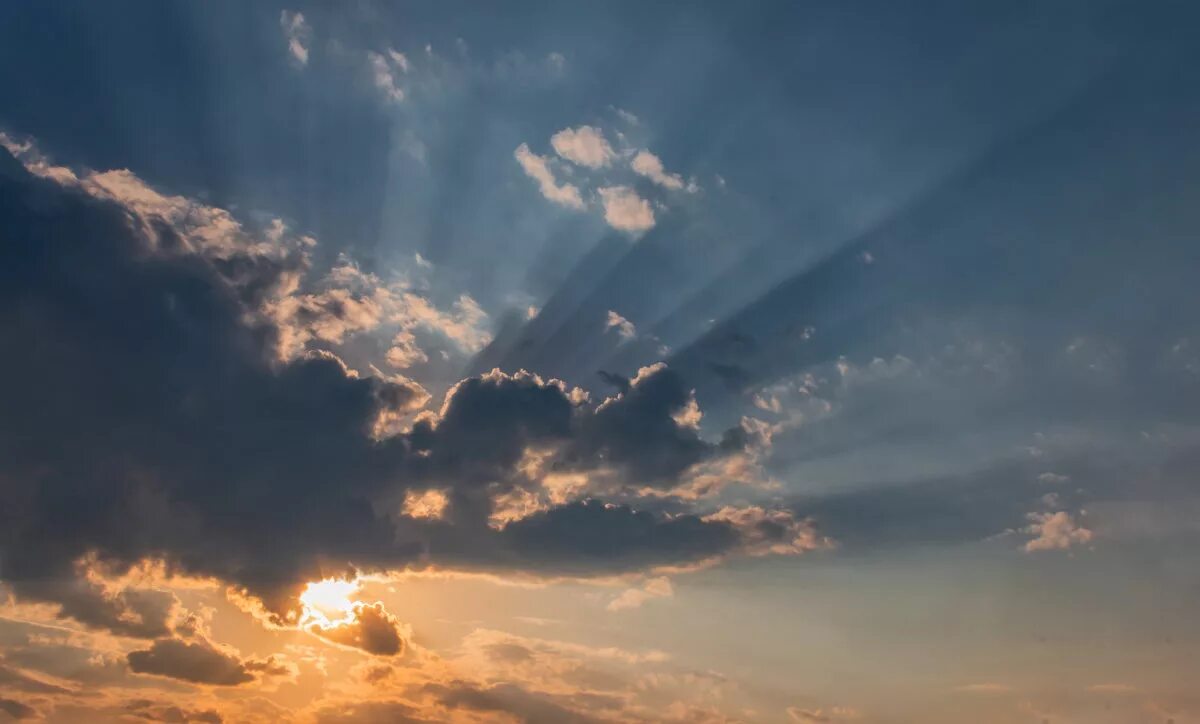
x=540 y=362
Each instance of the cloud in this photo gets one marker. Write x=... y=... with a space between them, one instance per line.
x=370 y=712
x=385 y=69
x=298 y=34
x=370 y=628
x=1049 y=478
x=155 y=711
x=198 y=662
x=585 y=146
x=822 y=716
x=1055 y=531
x=651 y=166
x=195 y=443
x=428 y=504
x=509 y=699
x=537 y=168
x=659 y=587
x=17 y=710
x=624 y=210
x=984 y=688
x=404 y=351
x=624 y=327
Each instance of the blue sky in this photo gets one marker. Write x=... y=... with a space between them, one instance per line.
x=552 y=361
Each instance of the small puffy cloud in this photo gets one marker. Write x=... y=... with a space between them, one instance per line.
x=1055 y=531
x=297 y=33
x=624 y=327
x=538 y=168
x=634 y=597
x=585 y=146
x=425 y=505
x=384 y=71
x=689 y=415
x=198 y=662
x=651 y=166
x=371 y=628
x=624 y=210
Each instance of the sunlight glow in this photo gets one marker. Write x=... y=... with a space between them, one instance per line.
x=329 y=602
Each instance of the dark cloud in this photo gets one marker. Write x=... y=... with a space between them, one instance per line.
x=11 y=679
x=528 y=707
x=190 y=441
x=373 y=630
x=17 y=710
x=158 y=712
x=369 y=712
x=197 y=662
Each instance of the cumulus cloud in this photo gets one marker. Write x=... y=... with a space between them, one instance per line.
x=624 y=210
x=370 y=628
x=538 y=168
x=585 y=146
x=1055 y=531
x=651 y=166
x=297 y=33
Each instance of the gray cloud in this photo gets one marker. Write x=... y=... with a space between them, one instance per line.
x=198 y=662
x=192 y=442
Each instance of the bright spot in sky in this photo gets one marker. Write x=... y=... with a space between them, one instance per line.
x=329 y=601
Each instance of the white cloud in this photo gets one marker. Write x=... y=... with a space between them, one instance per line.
x=628 y=117
x=624 y=327
x=538 y=168
x=624 y=210
x=1055 y=531
x=651 y=166
x=404 y=351
x=297 y=32
x=690 y=414
x=384 y=70
x=585 y=146
x=635 y=597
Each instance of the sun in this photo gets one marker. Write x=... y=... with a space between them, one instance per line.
x=329 y=601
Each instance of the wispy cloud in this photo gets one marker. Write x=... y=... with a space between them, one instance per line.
x=538 y=168
x=297 y=33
